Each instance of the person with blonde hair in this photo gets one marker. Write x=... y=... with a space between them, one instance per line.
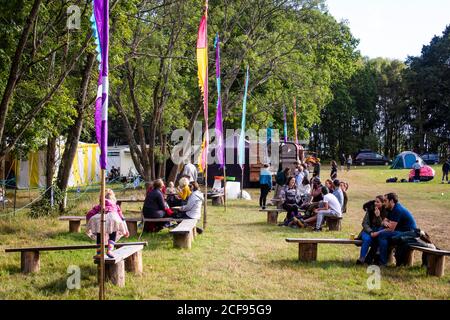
x=115 y=226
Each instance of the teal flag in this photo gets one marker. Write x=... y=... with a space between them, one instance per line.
x=241 y=146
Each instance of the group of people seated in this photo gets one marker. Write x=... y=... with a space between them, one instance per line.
x=183 y=202
x=387 y=223
x=306 y=200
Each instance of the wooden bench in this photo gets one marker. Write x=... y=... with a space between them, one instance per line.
x=184 y=233
x=272 y=215
x=334 y=223
x=217 y=200
x=30 y=260
x=435 y=260
x=127 y=258
x=307 y=248
x=152 y=220
x=74 y=222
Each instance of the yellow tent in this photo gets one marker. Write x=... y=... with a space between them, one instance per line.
x=31 y=172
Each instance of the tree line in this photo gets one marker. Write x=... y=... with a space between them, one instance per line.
x=391 y=106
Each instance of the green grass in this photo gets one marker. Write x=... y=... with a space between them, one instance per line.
x=239 y=256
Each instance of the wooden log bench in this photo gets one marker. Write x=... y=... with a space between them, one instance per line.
x=127 y=258
x=272 y=215
x=155 y=220
x=184 y=233
x=30 y=258
x=74 y=222
x=307 y=248
x=217 y=200
x=334 y=224
x=435 y=260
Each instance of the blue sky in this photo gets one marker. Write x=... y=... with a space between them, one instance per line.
x=393 y=28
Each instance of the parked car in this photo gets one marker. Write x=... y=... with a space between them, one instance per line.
x=430 y=158
x=371 y=158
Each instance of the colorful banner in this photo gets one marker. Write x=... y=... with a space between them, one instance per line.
x=202 y=62
x=241 y=147
x=220 y=152
x=100 y=26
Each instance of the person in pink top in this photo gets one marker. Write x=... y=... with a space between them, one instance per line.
x=115 y=225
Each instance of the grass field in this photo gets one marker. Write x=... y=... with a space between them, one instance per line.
x=239 y=256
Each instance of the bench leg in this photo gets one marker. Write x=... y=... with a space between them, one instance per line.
x=183 y=240
x=409 y=258
x=307 y=252
x=29 y=262
x=272 y=217
x=391 y=256
x=334 y=224
x=116 y=273
x=436 y=265
x=132 y=228
x=75 y=226
x=194 y=233
x=134 y=263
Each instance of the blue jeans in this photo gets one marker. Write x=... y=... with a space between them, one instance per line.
x=367 y=242
x=383 y=241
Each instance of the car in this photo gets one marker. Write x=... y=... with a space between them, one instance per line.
x=430 y=158
x=371 y=158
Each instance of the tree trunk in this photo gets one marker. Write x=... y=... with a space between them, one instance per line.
x=15 y=65
x=75 y=131
x=51 y=161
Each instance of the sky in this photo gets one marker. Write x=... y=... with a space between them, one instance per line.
x=392 y=28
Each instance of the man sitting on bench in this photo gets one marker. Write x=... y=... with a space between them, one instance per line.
x=399 y=221
x=329 y=207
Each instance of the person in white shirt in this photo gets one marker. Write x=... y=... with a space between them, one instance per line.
x=329 y=207
x=417 y=167
x=190 y=171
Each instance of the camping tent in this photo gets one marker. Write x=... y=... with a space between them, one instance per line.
x=427 y=173
x=405 y=160
x=31 y=171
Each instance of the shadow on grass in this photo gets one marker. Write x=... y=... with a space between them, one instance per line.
x=13 y=268
x=59 y=286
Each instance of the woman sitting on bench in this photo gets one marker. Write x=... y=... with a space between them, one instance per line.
x=115 y=226
x=291 y=199
x=155 y=207
x=372 y=225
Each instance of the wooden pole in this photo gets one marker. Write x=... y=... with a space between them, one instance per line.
x=225 y=187
x=102 y=239
x=205 y=207
x=242 y=180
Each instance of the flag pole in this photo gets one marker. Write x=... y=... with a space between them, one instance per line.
x=205 y=97
x=102 y=239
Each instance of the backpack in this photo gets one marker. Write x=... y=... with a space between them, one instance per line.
x=392 y=180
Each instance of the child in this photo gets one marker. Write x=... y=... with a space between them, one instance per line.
x=115 y=226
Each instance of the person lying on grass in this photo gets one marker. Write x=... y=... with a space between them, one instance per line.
x=115 y=225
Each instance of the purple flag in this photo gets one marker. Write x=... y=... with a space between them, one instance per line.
x=219 y=122
x=101 y=30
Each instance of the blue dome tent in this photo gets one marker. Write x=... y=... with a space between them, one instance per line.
x=405 y=160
